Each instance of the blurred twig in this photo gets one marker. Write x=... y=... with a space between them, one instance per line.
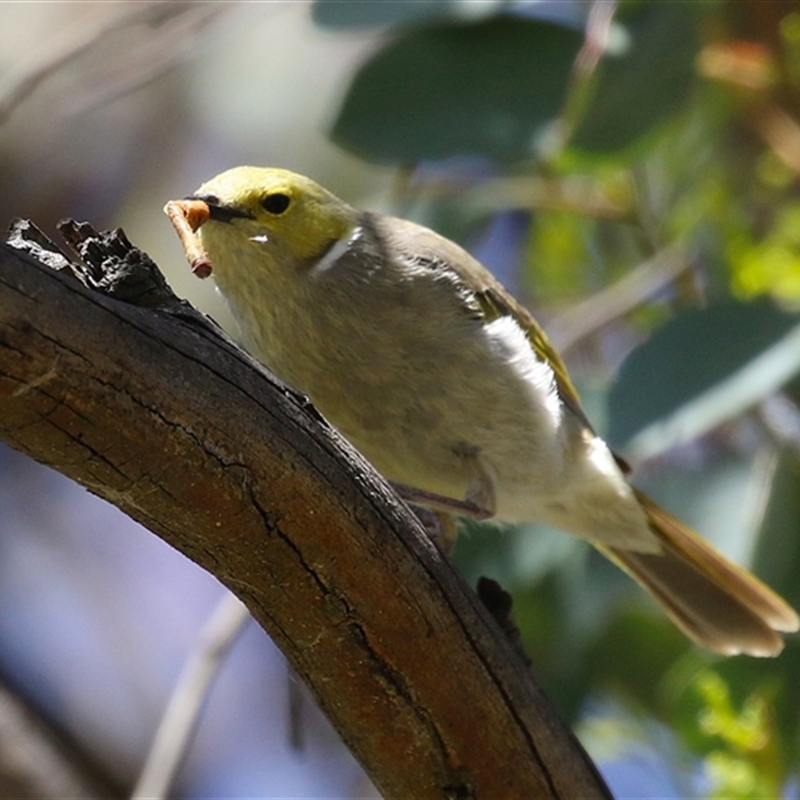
x=615 y=301
x=77 y=39
x=780 y=418
x=183 y=710
x=575 y=194
x=598 y=27
x=479 y=197
x=38 y=761
x=294 y=693
x=781 y=132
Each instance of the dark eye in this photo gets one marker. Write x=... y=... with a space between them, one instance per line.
x=275 y=203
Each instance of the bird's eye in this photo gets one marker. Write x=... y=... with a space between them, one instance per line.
x=275 y=203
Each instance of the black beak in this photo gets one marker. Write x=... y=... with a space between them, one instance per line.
x=217 y=211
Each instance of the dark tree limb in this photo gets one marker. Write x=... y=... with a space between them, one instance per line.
x=157 y=412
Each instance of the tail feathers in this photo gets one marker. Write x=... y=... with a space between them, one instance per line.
x=717 y=604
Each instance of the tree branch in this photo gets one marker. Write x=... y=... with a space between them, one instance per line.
x=158 y=413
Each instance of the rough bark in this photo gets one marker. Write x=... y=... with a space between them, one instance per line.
x=156 y=412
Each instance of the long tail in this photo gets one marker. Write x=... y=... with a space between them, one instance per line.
x=717 y=604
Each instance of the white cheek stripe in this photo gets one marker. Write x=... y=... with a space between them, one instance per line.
x=337 y=250
x=260 y=238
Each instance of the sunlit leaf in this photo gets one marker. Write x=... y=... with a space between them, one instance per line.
x=745 y=760
x=772 y=263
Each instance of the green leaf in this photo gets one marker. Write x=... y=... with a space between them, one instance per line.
x=698 y=370
x=777 y=558
x=340 y=14
x=645 y=83
x=445 y=90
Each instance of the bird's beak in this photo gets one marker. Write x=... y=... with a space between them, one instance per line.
x=216 y=210
x=188 y=215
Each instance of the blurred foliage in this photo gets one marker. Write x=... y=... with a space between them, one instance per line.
x=770 y=263
x=725 y=376
x=744 y=757
x=658 y=48
x=668 y=127
x=631 y=169
x=451 y=89
x=341 y=16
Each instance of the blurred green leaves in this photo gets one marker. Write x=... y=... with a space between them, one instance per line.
x=493 y=87
x=346 y=14
x=449 y=89
x=770 y=263
x=681 y=138
x=744 y=755
x=646 y=81
x=699 y=370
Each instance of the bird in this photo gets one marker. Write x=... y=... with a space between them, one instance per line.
x=448 y=385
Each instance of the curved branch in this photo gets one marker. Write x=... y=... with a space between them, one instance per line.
x=162 y=416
